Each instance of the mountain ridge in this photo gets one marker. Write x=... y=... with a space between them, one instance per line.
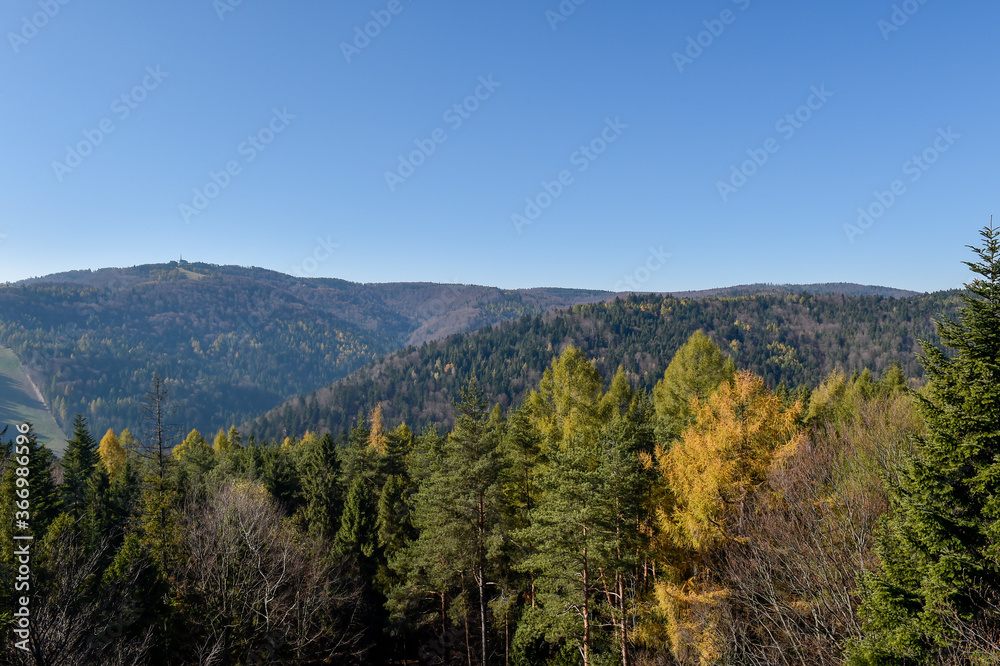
x=795 y=339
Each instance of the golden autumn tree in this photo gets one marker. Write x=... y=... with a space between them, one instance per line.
x=377 y=440
x=127 y=441
x=713 y=474
x=112 y=453
x=722 y=458
x=696 y=370
x=221 y=442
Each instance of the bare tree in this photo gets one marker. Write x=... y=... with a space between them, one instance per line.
x=261 y=590
x=159 y=430
x=793 y=572
x=75 y=619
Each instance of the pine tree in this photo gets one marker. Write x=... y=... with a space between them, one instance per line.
x=566 y=530
x=621 y=503
x=457 y=511
x=940 y=543
x=78 y=463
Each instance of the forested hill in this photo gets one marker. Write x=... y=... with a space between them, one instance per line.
x=796 y=339
x=839 y=288
x=231 y=341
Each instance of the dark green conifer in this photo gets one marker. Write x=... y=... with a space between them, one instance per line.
x=940 y=543
x=78 y=465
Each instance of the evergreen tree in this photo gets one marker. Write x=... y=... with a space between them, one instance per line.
x=44 y=502
x=78 y=463
x=620 y=500
x=319 y=471
x=566 y=531
x=940 y=543
x=356 y=537
x=393 y=525
x=458 y=514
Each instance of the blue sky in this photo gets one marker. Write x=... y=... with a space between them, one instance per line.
x=668 y=99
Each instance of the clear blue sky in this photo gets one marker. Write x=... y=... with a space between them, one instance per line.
x=323 y=176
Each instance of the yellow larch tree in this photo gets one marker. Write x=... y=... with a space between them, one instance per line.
x=722 y=457
x=112 y=453
x=377 y=441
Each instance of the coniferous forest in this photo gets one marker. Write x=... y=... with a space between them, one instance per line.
x=793 y=499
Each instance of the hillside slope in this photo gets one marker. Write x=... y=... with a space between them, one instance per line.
x=21 y=402
x=232 y=341
x=795 y=339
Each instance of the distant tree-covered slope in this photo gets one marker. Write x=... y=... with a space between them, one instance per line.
x=232 y=341
x=796 y=339
x=838 y=288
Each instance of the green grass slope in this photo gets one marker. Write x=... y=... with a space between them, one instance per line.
x=20 y=403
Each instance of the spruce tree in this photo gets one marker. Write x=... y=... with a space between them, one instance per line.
x=44 y=501
x=319 y=470
x=940 y=542
x=356 y=538
x=78 y=465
